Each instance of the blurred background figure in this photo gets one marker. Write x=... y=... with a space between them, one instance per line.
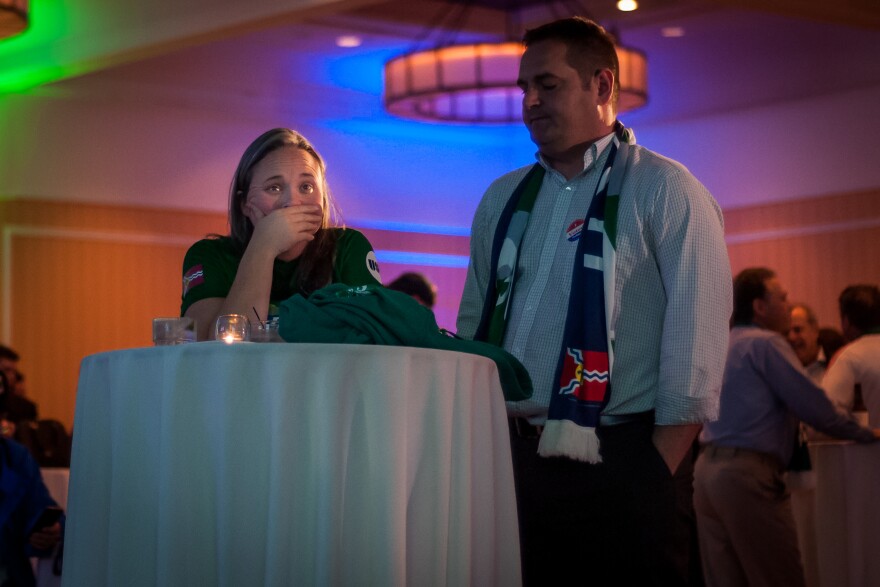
x=853 y=379
x=24 y=501
x=14 y=408
x=744 y=515
x=19 y=387
x=417 y=286
x=804 y=339
x=831 y=340
x=8 y=361
x=48 y=441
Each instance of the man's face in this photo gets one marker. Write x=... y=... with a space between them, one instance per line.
x=773 y=311
x=803 y=336
x=8 y=367
x=559 y=110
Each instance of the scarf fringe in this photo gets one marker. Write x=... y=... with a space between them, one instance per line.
x=564 y=438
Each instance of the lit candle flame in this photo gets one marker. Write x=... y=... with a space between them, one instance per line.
x=229 y=338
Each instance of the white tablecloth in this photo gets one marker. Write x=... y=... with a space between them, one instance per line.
x=843 y=515
x=282 y=464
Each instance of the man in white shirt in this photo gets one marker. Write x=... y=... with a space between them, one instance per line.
x=856 y=368
x=631 y=244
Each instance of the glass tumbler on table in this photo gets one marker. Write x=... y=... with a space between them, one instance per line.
x=266 y=331
x=169 y=331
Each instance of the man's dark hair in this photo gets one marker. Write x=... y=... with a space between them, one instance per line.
x=860 y=304
x=831 y=341
x=590 y=47
x=748 y=285
x=416 y=285
x=8 y=353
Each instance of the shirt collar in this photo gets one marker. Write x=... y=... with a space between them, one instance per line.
x=591 y=155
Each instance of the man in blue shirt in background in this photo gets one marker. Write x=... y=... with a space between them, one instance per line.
x=744 y=517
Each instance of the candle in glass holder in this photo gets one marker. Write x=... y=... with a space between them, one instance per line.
x=232 y=328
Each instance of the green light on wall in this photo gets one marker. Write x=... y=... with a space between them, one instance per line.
x=13 y=17
x=31 y=57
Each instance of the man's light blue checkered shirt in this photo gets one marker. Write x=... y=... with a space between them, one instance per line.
x=672 y=287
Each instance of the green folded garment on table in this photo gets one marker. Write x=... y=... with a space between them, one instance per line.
x=372 y=314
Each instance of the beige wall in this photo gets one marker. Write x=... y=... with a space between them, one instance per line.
x=78 y=279
x=817 y=246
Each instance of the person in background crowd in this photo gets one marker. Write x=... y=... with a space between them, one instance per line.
x=18 y=407
x=7 y=425
x=23 y=498
x=804 y=339
x=281 y=240
x=744 y=517
x=602 y=268
x=417 y=286
x=8 y=361
x=15 y=406
x=831 y=340
x=19 y=387
x=803 y=335
x=856 y=369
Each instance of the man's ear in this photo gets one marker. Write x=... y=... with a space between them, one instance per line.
x=759 y=307
x=605 y=85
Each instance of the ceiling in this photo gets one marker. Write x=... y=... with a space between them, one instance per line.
x=727 y=58
x=280 y=59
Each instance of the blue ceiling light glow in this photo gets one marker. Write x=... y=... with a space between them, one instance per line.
x=360 y=70
x=422 y=259
x=386 y=126
x=430 y=172
x=413 y=227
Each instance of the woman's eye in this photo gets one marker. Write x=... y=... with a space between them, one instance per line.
x=307 y=188
x=274 y=189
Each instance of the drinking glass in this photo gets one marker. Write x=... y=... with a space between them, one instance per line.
x=266 y=331
x=168 y=331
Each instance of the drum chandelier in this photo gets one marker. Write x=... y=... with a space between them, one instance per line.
x=476 y=82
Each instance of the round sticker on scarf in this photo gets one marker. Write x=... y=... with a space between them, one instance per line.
x=373 y=266
x=573 y=231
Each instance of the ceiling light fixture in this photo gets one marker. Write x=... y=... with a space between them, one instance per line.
x=672 y=32
x=348 y=41
x=13 y=17
x=476 y=82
